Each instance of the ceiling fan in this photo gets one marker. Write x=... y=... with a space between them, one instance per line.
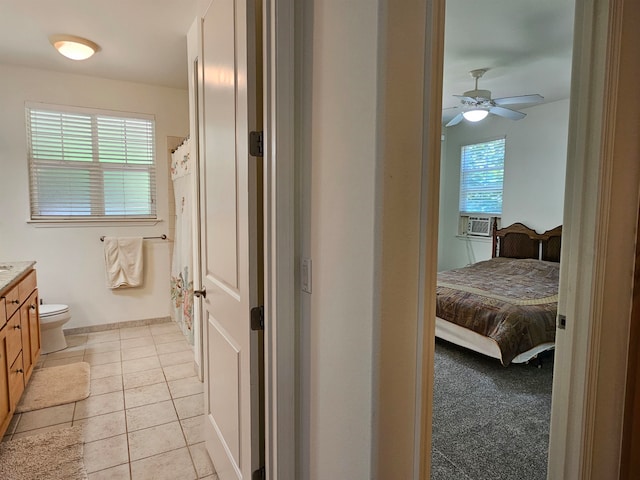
x=478 y=103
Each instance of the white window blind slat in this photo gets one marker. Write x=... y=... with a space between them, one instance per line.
x=482 y=177
x=90 y=164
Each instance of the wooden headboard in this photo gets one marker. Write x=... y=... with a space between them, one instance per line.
x=519 y=241
x=551 y=243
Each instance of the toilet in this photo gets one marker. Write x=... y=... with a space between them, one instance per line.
x=52 y=318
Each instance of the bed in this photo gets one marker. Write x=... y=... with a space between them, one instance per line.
x=504 y=307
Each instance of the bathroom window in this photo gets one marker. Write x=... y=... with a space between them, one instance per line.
x=87 y=164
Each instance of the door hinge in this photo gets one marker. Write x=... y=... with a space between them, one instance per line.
x=257 y=318
x=259 y=474
x=562 y=322
x=256 y=144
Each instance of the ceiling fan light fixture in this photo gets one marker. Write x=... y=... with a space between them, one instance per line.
x=75 y=48
x=475 y=115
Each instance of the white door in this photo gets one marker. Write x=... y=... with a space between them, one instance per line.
x=231 y=237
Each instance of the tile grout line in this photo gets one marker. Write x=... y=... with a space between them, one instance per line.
x=126 y=423
x=90 y=355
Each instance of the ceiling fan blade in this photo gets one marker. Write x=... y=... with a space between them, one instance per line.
x=507 y=113
x=466 y=99
x=455 y=120
x=535 y=98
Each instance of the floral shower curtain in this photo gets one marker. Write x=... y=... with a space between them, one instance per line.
x=182 y=262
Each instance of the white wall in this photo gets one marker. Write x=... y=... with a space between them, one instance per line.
x=70 y=263
x=338 y=108
x=534 y=174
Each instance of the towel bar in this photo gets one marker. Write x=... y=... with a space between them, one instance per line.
x=161 y=237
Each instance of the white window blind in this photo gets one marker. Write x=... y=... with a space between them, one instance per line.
x=90 y=164
x=481 y=177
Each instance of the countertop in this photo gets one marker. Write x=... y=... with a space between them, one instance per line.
x=11 y=271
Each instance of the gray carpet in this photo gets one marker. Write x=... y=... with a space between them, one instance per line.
x=489 y=422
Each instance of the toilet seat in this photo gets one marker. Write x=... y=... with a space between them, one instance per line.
x=49 y=310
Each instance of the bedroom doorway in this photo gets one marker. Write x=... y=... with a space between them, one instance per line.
x=509 y=405
x=601 y=212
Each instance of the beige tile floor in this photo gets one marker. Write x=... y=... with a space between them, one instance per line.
x=144 y=417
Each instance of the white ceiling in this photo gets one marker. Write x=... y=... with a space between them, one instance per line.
x=141 y=40
x=525 y=44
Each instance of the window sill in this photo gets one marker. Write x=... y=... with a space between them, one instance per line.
x=475 y=238
x=94 y=222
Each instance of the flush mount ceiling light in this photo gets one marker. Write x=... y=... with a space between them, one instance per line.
x=475 y=115
x=75 y=48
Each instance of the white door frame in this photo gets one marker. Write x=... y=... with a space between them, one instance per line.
x=196 y=84
x=580 y=446
x=598 y=253
x=279 y=240
x=194 y=63
x=601 y=201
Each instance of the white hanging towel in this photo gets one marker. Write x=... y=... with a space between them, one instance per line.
x=123 y=261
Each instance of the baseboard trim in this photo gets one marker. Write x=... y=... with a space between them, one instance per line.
x=114 y=326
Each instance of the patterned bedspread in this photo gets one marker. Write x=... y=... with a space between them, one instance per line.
x=512 y=301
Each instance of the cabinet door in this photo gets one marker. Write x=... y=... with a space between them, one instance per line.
x=26 y=338
x=14 y=337
x=34 y=331
x=5 y=401
x=30 y=334
x=16 y=381
x=3 y=311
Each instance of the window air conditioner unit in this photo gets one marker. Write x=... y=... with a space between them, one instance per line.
x=479 y=226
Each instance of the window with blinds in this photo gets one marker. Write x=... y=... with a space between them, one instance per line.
x=481 y=177
x=90 y=164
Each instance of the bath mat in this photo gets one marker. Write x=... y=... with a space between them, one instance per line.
x=53 y=386
x=53 y=455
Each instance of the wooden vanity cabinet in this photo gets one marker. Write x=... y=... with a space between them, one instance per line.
x=19 y=343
